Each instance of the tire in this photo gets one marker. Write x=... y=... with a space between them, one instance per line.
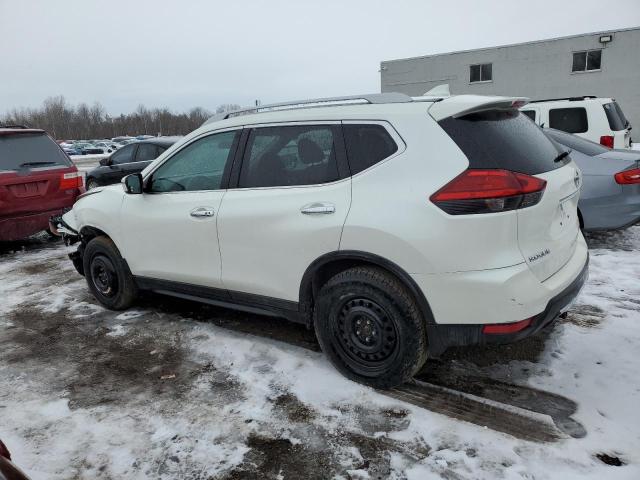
x=91 y=184
x=370 y=327
x=107 y=275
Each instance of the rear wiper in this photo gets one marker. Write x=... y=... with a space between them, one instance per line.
x=36 y=164
x=562 y=156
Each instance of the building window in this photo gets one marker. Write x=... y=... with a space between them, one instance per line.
x=481 y=72
x=586 y=61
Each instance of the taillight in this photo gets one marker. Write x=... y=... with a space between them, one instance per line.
x=488 y=191
x=504 y=328
x=628 y=177
x=607 y=141
x=71 y=180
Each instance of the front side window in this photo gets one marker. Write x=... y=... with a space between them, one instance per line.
x=146 y=151
x=572 y=120
x=124 y=155
x=289 y=156
x=367 y=145
x=586 y=61
x=199 y=166
x=482 y=72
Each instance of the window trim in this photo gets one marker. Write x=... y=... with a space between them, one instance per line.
x=224 y=184
x=393 y=133
x=480 y=65
x=341 y=156
x=586 y=52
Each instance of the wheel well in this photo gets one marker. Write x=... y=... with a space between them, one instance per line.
x=89 y=233
x=329 y=265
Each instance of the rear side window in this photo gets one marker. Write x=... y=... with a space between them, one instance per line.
x=572 y=120
x=146 y=151
x=367 y=145
x=503 y=139
x=617 y=120
x=289 y=156
x=27 y=150
x=576 y=143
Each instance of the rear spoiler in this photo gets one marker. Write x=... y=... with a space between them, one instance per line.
x=463 y=105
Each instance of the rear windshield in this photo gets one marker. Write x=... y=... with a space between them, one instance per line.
x=30 y=150
x=617 y=120
x=576 y=143
x=504 y=139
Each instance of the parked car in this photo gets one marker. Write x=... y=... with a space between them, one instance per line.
x=395 y=227
x=8 y=470
x=128 y=159
x=104 y=147
x=71 y=150
x=610 y=197
x=600 y=120
x=37 y=180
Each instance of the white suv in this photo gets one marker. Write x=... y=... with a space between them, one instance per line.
x=396 y=227
x=600 y=120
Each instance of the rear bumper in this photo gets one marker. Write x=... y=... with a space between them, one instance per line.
x=22 y=226
x=442 y=336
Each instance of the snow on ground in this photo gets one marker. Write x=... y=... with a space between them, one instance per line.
x=171 y=389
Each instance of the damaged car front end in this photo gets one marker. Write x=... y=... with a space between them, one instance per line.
x=61 y=226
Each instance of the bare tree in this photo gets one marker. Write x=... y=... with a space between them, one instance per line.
x=64 y=121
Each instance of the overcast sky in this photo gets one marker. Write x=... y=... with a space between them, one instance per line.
x=181 y=54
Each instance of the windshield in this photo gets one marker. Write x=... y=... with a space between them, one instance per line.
x=617 y=120
x=576 y=143
x=30 y=150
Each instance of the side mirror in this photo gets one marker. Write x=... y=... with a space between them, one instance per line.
x=105 y=161
x=132 y=184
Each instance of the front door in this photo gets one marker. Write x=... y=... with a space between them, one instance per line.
x=170 y=230
x=289 y=208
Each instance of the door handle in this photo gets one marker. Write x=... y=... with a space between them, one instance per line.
x=202 y=212
x=318 y=208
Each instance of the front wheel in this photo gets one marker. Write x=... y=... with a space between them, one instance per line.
x=107 y=275
x=370 y=327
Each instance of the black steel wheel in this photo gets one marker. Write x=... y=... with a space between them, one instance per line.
x=370 y=327
x=107 y=274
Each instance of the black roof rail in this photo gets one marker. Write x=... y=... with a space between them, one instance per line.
x=13 y=126
x=571 y=99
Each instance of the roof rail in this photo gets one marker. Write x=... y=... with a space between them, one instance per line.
x=13 y=126
x=571 y=99
x=374 y=98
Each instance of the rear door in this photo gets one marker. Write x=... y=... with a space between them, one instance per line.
x=144 y=155
x=548 y=230
x=289 y=208
x=35 y=174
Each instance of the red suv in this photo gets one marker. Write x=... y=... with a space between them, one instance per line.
x=37 y=180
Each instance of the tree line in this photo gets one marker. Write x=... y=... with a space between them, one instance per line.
x=64 y=121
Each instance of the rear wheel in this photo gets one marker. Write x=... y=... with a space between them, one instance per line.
x=107 y=275
x=370 y=327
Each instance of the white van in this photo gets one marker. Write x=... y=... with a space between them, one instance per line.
x=595 y=118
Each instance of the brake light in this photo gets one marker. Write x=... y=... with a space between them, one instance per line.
x=607 y=141
x=504 y=328
x=488 y=191
x=70 y=180
x=628 y=177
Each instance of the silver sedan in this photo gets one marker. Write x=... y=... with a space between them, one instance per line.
x=610 y=195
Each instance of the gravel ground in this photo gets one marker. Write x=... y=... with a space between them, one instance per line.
x=172 y=389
